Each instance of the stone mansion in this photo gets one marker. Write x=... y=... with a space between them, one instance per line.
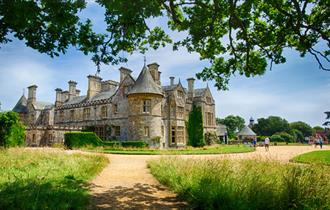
x=131 y=109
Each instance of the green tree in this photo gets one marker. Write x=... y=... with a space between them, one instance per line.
x=257 y=31
x=297 y=134
x=318 y=129
x=195 y=127
x=271 y=125
x=11 y=130
x=233 y=124
x=302 y=127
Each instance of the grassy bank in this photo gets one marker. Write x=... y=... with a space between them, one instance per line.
x=45 y=179
x=315 y=157
x=248 y=184
x=222 y=149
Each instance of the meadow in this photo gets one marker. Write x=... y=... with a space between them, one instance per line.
x=245 y=184
x=315 y=157
x=46 y=179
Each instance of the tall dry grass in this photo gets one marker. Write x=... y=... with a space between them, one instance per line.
x=245 y=184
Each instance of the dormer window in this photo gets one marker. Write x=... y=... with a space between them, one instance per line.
x=208 y=100
x=180 y=94
x=146 y=106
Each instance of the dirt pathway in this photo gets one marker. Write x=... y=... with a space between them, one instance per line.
x=126 y=182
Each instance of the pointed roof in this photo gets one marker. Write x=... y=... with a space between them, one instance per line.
x=246 y=131
x=21 y=106
x=145 y=84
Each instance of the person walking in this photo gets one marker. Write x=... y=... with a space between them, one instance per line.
x=320 y=142
x=254 y=142
x=267 y=141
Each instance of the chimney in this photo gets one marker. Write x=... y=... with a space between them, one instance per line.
x=124 y=72
x=109 y=85
x=172 y=80
x=191 y=87
x=58 y=101
x=32 y=92
x=77 y=92
x=153 y=68
x=94 y=86
x=72 y=89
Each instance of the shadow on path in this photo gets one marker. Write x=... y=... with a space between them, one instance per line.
x=140 y=196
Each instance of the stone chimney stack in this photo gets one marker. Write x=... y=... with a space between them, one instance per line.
x=153 y=68
x=72 y=89
x=172 y=80
x=32 y=92
x=94 y=86
x=58 y=101
x=191 y=82
x=77 y=92
x=124 y=72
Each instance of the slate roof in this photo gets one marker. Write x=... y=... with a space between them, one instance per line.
x=99 y=96
x=145 y=84
x=75 y=100
x=246 y=131
x=199 y=92
x=43 y=105
x=21 y=106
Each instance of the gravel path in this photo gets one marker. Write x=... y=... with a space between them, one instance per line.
x=126 y=182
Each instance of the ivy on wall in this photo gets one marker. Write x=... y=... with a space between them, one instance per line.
x=195 y=127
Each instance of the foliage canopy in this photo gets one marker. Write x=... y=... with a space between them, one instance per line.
x=236 y=37
x=233 y=123
x=11 y=130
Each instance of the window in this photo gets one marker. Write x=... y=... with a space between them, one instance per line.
x=115 y=108
x=180 y=94
x=180 y=134
x=87 y=113
x=72 y=114
x=146 y=131
x=146 y=106
x=209 y=118
x=180 y=112
x=117 y=130
x=104 y=111
x=208 y=100
x=61 y=115
x=173 y=135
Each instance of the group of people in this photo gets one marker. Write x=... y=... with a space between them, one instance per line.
x=266 y=143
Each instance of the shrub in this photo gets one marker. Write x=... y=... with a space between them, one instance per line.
x=139 y=144
x=211 y=138
x=195 y=127
x=81 y=139
x=286 y=137
x=111 y=143
x=11 y=130
x=276 y=138
x=261 y=138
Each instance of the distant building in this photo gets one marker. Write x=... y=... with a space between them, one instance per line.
x=246 y=134
x=131 y=109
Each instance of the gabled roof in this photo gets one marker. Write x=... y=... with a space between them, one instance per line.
x=145 y=84
x=221 y=130
x=21 y=106
x=246 y=131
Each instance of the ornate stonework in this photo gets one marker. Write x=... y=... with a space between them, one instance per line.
x=130 y=109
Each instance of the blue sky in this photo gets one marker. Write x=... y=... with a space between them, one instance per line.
x=296 y=90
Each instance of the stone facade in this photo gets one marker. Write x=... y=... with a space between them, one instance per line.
x=131 y=109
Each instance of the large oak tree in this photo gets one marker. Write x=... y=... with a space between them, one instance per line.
x=234 y=36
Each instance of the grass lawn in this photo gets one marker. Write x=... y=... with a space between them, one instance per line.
x=244 y=184
x=221 y=149
x=315 y=157
x=46 y=179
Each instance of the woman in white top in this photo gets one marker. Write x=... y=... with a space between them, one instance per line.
x=267 y=141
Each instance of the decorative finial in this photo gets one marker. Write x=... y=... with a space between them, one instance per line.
x=145 y=60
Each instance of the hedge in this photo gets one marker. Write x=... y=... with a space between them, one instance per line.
x=111 y=143
x=81 y=139
x=139 y=144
